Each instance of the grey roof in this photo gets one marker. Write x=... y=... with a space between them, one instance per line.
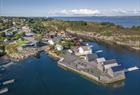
x=92 y=57
x=86 y=48
x=68 y=58
x=112 y=61
x=117 y=68
x=52 y=33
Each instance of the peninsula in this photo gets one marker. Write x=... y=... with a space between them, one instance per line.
x=24 y=37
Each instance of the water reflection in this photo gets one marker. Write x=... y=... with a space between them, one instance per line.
x=116 y=84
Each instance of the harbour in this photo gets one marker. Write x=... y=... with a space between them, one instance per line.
x=47 y=75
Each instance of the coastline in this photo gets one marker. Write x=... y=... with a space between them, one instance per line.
x=102 y=40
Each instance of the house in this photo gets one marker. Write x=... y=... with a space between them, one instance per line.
x=116 y=71
x=59 y=47
x=91 y=57
x=54 y=40
x=26 y=29
x=84 y=50
x=29 y=36
x=51 y=42
x=8 y=33
x=52 y=34
x=70 y=51
x=100 y=60
x=100 y=63
x=109 y=63
x=6 y=40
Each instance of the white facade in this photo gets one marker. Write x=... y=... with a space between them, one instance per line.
x=51 y=42
x=59 y=47
x=107 y=66
x=100 y=60
x=85 y=50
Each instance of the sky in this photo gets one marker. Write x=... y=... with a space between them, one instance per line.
x=46 y=8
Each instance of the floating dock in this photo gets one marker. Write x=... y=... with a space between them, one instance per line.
x=131 y=69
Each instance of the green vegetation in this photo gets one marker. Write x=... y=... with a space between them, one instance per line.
x=67 y=43
x=2 y=49
x=40 y=26
x=12 y=48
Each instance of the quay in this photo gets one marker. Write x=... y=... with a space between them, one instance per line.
x=77 y=71
x=90 y=70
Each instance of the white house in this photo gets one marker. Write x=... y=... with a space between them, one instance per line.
x=100 y=60
x=51 y=42
x=84 y=50
x=70 y=51
x=110 y=63
x=59 y=47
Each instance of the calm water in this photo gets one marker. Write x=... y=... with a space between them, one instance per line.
x=42 y=76
x=127 y=21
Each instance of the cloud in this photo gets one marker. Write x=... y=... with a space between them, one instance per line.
x=95 y=12
x=126 y=12
x=80 y=12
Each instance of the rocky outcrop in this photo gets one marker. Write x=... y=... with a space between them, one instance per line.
x=124 y=40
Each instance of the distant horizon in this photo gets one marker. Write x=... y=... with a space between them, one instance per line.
x=53 y=8
x=72 y=16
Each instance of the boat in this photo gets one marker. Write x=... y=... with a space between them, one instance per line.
x=8 y=82
x=3 y=90
x=99 y=51
x=2 y=69
x=6 y=65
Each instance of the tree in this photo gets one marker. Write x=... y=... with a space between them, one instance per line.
x=2 y=49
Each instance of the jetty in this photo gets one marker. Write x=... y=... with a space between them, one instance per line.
x=131 y=69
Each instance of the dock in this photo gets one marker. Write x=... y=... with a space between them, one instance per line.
x=131 y=69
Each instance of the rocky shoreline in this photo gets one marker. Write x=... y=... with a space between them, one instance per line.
x=23 y=54
x=102 y=39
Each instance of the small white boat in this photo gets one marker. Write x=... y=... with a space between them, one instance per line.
x=3 y=90
x=8 y=82
x=99 y=51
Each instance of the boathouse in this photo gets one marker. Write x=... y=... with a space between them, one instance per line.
x=115 y=71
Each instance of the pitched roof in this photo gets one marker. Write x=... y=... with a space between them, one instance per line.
x=92 y=57
x=102 y=59
x=85 y=48
x=117 y=68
